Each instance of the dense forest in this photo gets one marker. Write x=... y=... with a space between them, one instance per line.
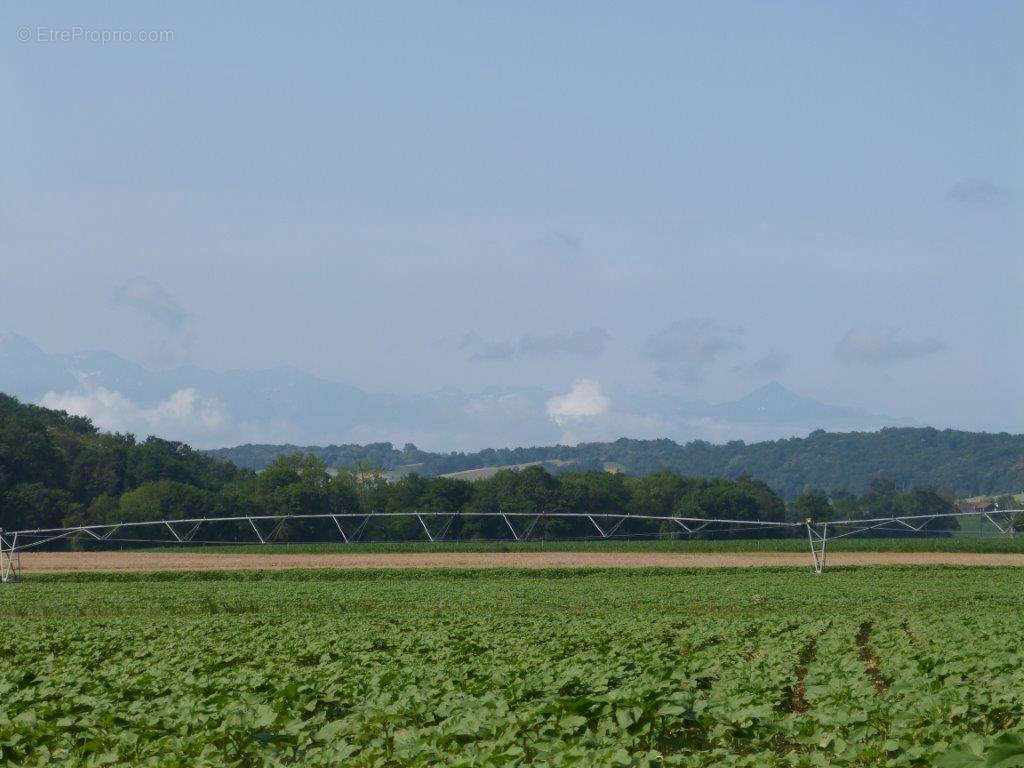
x=57 y=469
x=960 y=463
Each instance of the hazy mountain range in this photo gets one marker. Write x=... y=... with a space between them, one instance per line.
x=286 y=405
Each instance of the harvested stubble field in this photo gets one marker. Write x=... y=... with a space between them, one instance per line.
x=137 y=561
x=914 y=666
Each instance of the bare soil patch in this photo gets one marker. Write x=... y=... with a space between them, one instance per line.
x=870 y=660
x=70 y=562
x=798 y=696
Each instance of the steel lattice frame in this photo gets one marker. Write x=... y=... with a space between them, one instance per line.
x=350 y=527
x=9 y=560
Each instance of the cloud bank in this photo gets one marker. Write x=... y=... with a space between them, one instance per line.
x=686 y=348
x=565 y=241
x=772 y=364
x=166 y=324
x=976 y=192
x=150 y=299
x=880 y=347
x=583 y=343
x=184 y=414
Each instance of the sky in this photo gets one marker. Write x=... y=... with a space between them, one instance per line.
x=691 y=199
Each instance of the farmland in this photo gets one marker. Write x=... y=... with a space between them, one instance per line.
x=170 y=561
x=984 y=541
x=882 y=666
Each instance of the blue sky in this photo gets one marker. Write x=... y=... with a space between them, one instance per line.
x=683 y=198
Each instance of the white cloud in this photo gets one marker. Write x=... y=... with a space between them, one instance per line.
x=584 y=401
x=186 y=406
x=184 y=415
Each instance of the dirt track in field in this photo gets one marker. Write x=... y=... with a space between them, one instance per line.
x=71 y=562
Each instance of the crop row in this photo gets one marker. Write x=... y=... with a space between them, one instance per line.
x=659 y=676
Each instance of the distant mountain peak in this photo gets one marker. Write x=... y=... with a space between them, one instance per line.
x=774 y=403
x=773 y=386
x=13 y=344
x=774 y=392
x=289 y=405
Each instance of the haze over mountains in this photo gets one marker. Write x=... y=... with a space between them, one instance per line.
x=286 y=405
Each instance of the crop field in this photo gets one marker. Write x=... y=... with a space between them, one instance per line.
x=860 y=667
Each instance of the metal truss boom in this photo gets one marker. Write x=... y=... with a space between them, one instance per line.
x=355 y=515
x=183 y=531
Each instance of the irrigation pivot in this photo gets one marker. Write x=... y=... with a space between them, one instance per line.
x=9 y=560
x=435 y=527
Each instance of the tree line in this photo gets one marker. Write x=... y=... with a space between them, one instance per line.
x=57 y=469
x=957 y=462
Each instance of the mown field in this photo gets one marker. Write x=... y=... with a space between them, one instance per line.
x=867 y=667
x=961 y=542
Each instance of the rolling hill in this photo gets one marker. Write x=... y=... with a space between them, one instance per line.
x=964 y=463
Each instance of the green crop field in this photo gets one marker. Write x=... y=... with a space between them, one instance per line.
x=865 y=667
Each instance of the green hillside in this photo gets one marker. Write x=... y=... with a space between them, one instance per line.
x=57 y=469
x=960 y=463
